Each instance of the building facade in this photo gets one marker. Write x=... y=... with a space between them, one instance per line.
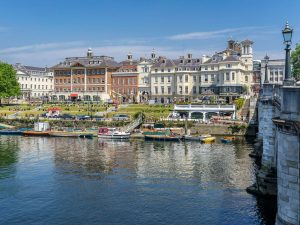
x=84 y=78
x=275 y=69
x=125 y=81
x=35 y=82
x=229 y=73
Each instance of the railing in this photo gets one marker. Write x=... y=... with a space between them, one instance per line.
x=130 y=127
x=204 y=107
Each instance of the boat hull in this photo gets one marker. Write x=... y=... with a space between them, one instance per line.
x=36 y=133
x=114 y=136
x=161 y=138
x=11 y=132
x=71 y=134
x=208 y=140
x=192 y=138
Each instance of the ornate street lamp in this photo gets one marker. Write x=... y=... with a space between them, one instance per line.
x=266 y=69
x=287 y=33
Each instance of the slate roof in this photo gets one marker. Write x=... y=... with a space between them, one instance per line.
x=90 y=62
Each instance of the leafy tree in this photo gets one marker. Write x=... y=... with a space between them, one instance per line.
x=9 y=85
x=239 y=102
x=295 y=60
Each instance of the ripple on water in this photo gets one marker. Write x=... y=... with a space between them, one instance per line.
x=76 y=181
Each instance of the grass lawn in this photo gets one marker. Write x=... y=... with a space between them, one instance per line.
x=152 y=112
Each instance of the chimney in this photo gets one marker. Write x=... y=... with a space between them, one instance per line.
x=129 y=56
x=153 y=56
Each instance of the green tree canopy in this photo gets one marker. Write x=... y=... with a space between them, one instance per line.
x=9 y=85
x=295 y=60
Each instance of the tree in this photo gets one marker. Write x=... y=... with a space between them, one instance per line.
x=9 y=85
x=295 y=60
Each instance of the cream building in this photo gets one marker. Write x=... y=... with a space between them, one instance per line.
x=144 y=85
x=275 y=68
x=173 y=80
x=229 y=73
x=35 y=82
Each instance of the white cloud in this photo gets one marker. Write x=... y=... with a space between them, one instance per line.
x=39 y=47
x=217 y=33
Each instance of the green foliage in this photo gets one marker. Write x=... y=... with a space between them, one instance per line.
x=9 y=85
x=239 y=102
x=237 y=128
x=295 y=60
x=245 y=89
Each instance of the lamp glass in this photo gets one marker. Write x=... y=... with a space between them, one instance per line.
x=287 y=34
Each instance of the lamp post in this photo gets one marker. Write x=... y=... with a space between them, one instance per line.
x=287 y=33
x=266 y=81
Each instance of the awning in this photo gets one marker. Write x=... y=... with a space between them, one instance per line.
x=73 y=95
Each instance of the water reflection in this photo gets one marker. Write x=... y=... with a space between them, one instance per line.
x=128 y=182
x=9 y=148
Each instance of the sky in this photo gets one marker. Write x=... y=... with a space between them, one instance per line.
x=44 y=32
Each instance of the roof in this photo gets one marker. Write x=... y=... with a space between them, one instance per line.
x=90 y=62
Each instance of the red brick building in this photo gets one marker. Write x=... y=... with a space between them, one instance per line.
x=125 y=81
x=85 y=78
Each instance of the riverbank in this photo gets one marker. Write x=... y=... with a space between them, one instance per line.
x=195 y=128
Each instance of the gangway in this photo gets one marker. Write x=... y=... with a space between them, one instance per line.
x=134 y=124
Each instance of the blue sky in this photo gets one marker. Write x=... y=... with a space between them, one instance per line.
x=40 y=33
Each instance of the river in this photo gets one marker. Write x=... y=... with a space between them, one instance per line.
x=87 y=181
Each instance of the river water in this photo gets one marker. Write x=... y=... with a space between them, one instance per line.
x=82 y=181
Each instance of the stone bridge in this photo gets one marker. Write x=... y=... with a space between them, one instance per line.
x=279 y=129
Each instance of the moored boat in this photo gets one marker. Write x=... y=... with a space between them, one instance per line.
x=112 y=133
x=36 y=133
x=81 y=134
x=192 y=138
x=162 y=138
x=11 y=132
x=227 y=139
x=207 y=138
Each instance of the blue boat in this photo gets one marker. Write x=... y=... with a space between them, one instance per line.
x=11 y=132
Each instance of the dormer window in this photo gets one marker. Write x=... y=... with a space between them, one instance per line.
x=189 y=61
x=163 y=61
x=181 y=61
x=198 y=60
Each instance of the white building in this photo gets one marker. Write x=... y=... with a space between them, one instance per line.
x=35 y=82
x=229 y=73
x=275 y=68
x=144 y=84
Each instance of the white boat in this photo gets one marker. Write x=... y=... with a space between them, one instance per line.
x=112 y=133
x=192 y=138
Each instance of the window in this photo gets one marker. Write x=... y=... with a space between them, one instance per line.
x=246 y=78
x=228 y=66
x=162 y=90
x=212 y=68
x=162 y=79
x=169 y=90
x=194 y=90
x=156 y=90
x=156 y=79
x=162 y=70
x=205 y=78
x=227 y=77
x=169 y=70
x=180 y=89
x=186 y=89
x=155 y=70
x=206 y=68
x=186 y=78
x=232 y=76
x=194 y=78
x=212 y=77
x=180 y=78
x=169 y=79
